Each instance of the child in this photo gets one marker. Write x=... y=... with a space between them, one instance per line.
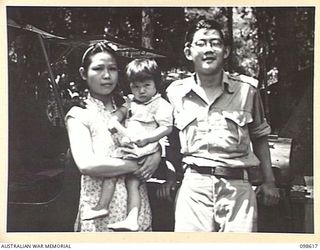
x=148 y=118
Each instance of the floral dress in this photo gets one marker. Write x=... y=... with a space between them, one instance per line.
x=95 y=117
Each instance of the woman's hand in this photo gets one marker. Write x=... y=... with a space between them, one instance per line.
x=149 y=164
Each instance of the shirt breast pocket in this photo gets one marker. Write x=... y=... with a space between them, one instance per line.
x=183 y=119
x=236 y=122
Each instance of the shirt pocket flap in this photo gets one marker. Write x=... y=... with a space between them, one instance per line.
x=239 y=117
x=182 y=120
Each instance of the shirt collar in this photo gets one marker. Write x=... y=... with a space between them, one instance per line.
x=228 y=85
x=156 y=96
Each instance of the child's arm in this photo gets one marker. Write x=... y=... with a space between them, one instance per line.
x=115 y=125
x=153 y=136
x=120 y=113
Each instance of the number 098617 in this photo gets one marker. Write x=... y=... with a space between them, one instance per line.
x=308 y=246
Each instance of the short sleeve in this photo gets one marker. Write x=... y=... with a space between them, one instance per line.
x=164 y=115
x=80 y=114
x=259 y=127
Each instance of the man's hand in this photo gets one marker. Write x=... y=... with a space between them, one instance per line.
x=167 y=190
x=269 y=193
x=149 y=164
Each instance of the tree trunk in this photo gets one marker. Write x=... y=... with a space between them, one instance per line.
x=287 y=55
x=230 y=31
x=147 y=28
x=263 y=47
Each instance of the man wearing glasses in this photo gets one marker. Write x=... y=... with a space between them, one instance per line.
x=223 y=135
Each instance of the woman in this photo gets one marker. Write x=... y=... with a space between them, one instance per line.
x=92 y=146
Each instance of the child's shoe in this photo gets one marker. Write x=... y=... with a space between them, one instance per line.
x=125 y=225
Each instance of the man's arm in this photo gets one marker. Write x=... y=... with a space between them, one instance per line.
x=268 y=189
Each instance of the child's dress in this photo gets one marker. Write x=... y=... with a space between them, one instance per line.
x=142 y=118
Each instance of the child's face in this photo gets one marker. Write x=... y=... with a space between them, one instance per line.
x=101 y=75
x=143 y=91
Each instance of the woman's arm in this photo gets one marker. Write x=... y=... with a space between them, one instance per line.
x=87 y=162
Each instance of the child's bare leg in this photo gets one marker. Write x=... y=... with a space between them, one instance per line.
x=134 y=200
x=133 y=206
x=101 y=209
x=107 y=190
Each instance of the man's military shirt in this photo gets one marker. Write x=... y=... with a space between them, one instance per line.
x=218 y=133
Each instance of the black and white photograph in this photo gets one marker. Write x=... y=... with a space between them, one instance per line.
x=160 y=119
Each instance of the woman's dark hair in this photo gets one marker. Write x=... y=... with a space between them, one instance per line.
x=86 y=61
x=95 y=49
x=203 y=23
x=140 y=70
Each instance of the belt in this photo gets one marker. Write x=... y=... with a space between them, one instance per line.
x=227 y=173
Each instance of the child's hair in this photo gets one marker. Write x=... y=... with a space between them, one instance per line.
x=203 y=23
x=95 y=49
x=140 y=70
x=86 y=61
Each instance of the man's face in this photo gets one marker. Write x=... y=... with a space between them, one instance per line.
x=207 y=51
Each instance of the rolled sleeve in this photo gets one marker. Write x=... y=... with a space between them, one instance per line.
x=259 y=127
x=262 y=130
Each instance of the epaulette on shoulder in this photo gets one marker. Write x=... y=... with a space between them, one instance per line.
x=177 y=83
x=245 y=79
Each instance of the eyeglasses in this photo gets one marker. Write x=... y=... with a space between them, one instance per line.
x=215 y=44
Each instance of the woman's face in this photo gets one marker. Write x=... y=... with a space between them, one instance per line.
x=102 y=75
